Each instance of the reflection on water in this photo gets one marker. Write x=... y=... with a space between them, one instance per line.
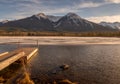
x=93 y=64
x=7 y=47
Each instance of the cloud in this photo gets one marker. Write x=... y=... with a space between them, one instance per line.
x=88 y=4
x=113 y=1
x=47 y=7
x=16 y=9
x=114 y=18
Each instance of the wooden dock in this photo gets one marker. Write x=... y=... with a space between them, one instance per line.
x=8 y=58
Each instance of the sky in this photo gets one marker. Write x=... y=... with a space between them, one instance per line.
x=92 y=10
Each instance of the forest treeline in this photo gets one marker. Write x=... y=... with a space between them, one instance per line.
x=43 y=33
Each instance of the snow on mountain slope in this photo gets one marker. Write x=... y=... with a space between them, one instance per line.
x=53 y=18
x=73 y=19
x=4 y=21
x=115 y=25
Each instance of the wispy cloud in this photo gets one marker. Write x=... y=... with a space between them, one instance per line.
x=16 y=9
x=113 y=1
x=87 y=4
x=114 y=18
x=90 y=4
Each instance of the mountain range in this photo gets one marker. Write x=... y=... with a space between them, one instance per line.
x=71 y=22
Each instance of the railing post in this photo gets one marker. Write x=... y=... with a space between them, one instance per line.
x=37 y=43
x=18 y=46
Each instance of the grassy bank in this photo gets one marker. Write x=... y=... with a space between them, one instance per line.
x=77 y=34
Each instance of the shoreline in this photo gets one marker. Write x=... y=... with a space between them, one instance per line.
x=59 y=40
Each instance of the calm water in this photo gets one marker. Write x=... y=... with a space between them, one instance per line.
x=89 y=64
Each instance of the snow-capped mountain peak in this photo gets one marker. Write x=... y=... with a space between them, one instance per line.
x=73 y=20
x=73 y=16
x=41 y=15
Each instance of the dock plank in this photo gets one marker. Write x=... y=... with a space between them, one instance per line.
x=13 y=56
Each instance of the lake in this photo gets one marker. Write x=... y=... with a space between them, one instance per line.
x=89 y=64
x=93 y=64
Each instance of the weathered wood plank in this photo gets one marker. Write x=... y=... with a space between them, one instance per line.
x=11 y=57
x=7 y=62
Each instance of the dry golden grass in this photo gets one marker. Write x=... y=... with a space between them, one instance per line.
x=2 y=79
x=66 y=81
x=9 y=72
x=24 y=79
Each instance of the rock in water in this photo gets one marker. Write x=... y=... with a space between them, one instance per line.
x=64 y=66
